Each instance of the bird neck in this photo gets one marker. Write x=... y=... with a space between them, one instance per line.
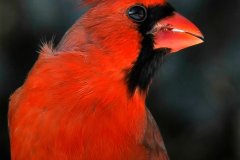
x=111 y=58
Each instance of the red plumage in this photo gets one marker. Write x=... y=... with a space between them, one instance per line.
x=75 y=103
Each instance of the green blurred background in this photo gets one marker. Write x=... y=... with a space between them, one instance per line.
x=195 y=96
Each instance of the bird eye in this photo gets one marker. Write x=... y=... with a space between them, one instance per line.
x=138 y=13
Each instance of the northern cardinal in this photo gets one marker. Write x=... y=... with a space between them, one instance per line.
x=85 y=99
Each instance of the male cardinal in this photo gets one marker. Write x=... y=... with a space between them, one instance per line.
x=85 y=99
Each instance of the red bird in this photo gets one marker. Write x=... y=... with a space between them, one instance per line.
x=85 y=99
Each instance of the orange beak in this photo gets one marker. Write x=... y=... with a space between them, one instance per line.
x=176 y=32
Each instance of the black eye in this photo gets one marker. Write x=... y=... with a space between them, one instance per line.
x=138 y=13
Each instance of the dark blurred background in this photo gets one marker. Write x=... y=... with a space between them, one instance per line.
x=195 y=97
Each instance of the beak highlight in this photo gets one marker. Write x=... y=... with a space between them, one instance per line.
x=176 y=32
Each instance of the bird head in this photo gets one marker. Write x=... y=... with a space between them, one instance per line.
x=137 y=33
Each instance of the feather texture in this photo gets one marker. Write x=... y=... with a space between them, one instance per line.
x=75 y=103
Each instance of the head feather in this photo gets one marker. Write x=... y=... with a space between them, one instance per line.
x=95 y=2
